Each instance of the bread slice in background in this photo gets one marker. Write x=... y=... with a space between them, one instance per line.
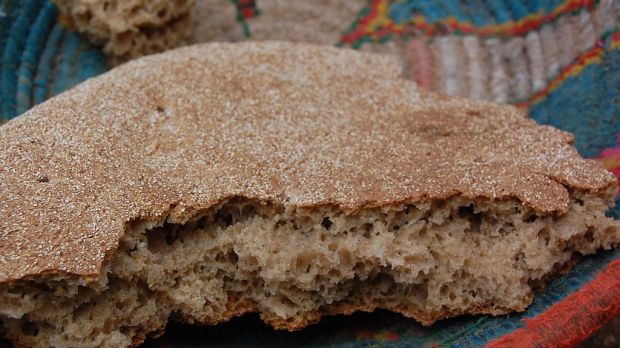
x=129 y=29
x=291 y=180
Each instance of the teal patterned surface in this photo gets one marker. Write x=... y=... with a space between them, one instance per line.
x=39 y=57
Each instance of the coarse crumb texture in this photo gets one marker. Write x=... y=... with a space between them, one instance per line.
x=130 y=29
x=284 y=179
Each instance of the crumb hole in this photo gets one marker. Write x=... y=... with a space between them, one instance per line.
x=248 y=210
x=223 y=218
x=544 y=234
x=334 y=274
x=589 y=236
x=579 y=201
x=367 y=229
x=531 y=217
x=202 y=223
x=475 y=219
x=170 y=237
x=29 y=328
x=221 y=257
x=84 y=17
x=233 y=257
x=359 y=268
x=124 y=37
x=326 y=223
x=160 y=237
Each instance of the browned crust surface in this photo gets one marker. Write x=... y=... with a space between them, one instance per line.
x=291 y=124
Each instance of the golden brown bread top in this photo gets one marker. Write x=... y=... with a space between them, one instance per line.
x=292 y=124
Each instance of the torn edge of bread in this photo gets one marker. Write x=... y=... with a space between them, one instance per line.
x=428 y=260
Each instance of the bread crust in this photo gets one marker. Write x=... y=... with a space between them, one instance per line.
x=293 y=125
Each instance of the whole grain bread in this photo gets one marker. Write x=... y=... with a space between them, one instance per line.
x=287 y=179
